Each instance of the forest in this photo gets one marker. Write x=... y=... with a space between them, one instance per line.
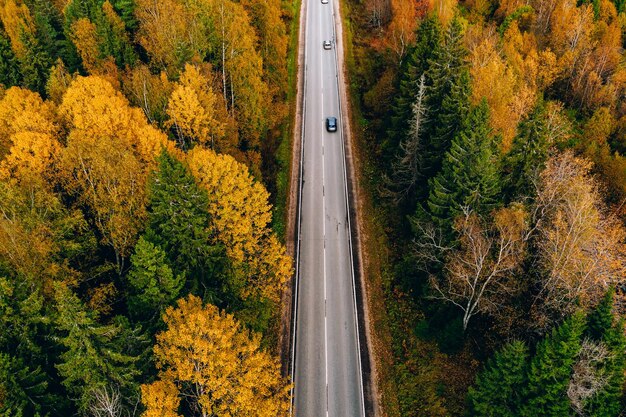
x=141 y=258
x=492 y=137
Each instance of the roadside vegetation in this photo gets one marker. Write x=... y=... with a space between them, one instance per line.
x=490 y=139
x=140 y=268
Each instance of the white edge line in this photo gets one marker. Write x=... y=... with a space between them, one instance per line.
x=303 y=25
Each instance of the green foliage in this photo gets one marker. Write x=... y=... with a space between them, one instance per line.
x=528 y=155
x=126 y=10
x=550 y=370
x=93 y=358
x=469 y=176
x=151 y=282
x=516 y=15
x=112 y=38
x=179 y=224
x=497 y=391
x=23 y=391
x=447 y=99
x=35 y=65
x=429 y=42
x=9 y=65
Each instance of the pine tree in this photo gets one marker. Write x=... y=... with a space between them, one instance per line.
x=551 y=368
x=152 y=284
x=179 y=223
x=601 y=327
x=497 y=392
x=600 y=320
x=528 y=154
x=469 y=176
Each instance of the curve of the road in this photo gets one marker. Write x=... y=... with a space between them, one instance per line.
x=326 y=358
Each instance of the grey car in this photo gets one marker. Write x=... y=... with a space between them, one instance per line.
x=331 y=124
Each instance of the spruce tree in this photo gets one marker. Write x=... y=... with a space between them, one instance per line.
x=93 y=357
x=528 y=154
x=497 y=392
x=179 y=223
x=447 y=99
x=469 y=176
x=551 y=368
x=23 y=390
x=152 y=285
x=429 y=40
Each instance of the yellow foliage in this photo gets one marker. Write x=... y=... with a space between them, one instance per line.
x=241 y=214
x=110 y=151
x=488 y=69
x=31 y=156
x=148 y=91
x=17 y=22
x=58 y=82
x=192 y=109
x=28 y=135
x=85 y=38
x=160 y=399
x=215 y=364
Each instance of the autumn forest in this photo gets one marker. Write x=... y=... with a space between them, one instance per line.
x=140 y=270
x=144 y=164
x=493 y=135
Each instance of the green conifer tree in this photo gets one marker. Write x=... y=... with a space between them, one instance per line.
x=9 y=65
x=469 y=176
x=528 y=154
x=498 y=392
x=551 y=369
x=447 y=99
x=92 y=357
x=152 y=285
x=429 y=40
x=23 y=391
x=35 y=65
x=179 y=224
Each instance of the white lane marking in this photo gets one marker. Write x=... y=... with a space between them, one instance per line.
x=319 y=16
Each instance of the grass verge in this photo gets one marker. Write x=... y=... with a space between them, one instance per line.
x=283 y=153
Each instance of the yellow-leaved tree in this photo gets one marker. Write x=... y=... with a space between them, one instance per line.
x=218 y=367
x=192 y=109
x=29 y=133
x=240 y=214
x=110 y=151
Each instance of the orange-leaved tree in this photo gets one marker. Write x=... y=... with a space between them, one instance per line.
x=217 y=367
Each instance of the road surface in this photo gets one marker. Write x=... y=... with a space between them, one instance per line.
x=326 y=365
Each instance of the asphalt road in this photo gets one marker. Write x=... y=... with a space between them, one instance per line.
x=327 y=369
